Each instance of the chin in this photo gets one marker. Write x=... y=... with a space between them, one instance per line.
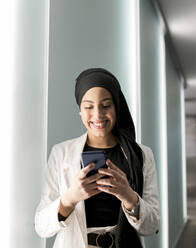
x=100 y=133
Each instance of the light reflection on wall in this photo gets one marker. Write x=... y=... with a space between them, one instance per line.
x=131 y=44
x=163 y=138
x=7 y=27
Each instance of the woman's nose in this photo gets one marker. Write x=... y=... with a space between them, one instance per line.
x=98 y=113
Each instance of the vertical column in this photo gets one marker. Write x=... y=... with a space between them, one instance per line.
x=7 y=26
x=131 y=25
x=163 y=145
x=184 y=181
x=23 y=101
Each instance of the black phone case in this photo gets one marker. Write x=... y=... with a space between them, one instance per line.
x=97 y=157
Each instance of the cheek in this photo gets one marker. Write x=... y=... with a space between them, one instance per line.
x=113 y=115
x=84 y=117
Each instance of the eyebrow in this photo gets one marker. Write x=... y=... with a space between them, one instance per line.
x=105 y=99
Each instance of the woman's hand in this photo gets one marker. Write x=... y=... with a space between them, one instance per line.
x=82 y=188
x=118 y=185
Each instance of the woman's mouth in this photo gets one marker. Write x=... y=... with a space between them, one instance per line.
x=98 y=124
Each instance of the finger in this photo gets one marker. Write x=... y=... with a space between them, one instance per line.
x=107 y=172
x=93 y=192
x=112 y=173
x=93 y=178
x=107 y=182
x=88 y=188
x=86 y=170
x=109 y=190
x=114 y=167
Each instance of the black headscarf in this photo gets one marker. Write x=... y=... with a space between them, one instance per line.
x=124 y=132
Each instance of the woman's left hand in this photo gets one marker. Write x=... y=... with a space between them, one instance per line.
x=117 y=185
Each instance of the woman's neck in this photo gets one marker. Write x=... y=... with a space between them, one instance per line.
x=101 y=142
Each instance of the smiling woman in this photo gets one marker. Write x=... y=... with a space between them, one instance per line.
x=115 y=206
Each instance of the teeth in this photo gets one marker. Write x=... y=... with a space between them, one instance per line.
x=99 y=124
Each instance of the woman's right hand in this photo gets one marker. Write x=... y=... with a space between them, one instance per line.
x=82 y=188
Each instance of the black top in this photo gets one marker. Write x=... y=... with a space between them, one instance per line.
x=103 y=208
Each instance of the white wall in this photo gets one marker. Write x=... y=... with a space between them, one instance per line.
x=153 y=107
x=27 y=155
x=162 y=112
x=176 y=155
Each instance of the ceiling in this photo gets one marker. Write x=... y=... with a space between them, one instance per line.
x=180 y=16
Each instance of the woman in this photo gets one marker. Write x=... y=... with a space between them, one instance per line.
x=117 y=205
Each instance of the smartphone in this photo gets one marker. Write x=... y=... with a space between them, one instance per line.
x=97 y=157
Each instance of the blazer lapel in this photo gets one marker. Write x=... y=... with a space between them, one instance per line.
x=80 y=207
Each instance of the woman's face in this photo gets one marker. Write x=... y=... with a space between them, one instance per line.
x=98 y=112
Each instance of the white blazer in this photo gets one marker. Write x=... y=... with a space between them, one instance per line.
x=63 y=165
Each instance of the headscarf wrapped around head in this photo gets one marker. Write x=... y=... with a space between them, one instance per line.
x=124 y=132
x=99 y=77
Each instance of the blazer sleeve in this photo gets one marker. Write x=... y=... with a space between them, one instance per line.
x=46 y=216
x=149 y=216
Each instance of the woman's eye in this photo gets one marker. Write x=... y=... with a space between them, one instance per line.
x=88 y=107
x=106 y=106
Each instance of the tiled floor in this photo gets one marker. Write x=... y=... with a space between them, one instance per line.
x=188 y=238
